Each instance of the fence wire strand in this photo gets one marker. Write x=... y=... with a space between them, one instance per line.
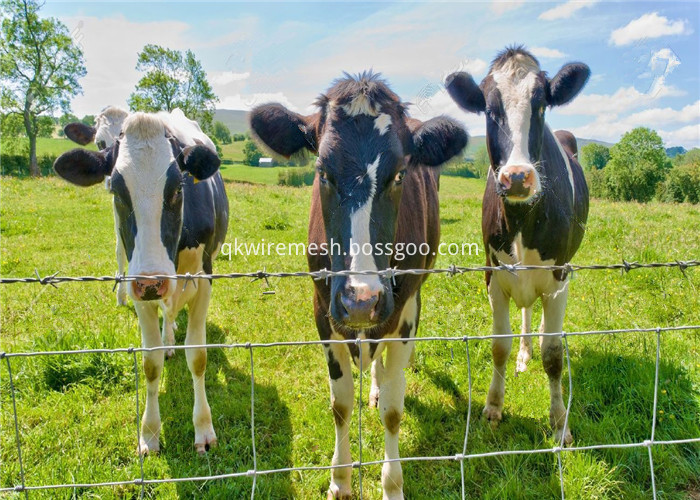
x=324 y=274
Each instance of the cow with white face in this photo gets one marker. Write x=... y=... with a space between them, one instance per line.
x=534 y=210
x=376 y=185
x=171 y=212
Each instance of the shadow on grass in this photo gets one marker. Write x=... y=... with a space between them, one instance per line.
x=612 y=403
x=229 y=395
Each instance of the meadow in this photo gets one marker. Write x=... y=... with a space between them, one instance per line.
x=77 y=412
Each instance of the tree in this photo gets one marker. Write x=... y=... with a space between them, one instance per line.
x=594 y=156
x=45 y=126
x=638 y=163
x=251 y=153
x=40 y=67
x=88 y=120
x=222 y=133
x=173 y=80
x=482 y=162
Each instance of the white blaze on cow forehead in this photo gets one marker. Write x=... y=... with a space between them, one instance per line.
x=360 y=105
x=361 y=260
x=516 y=81
x=144 y=157
x=382 y=123
x=108 y=124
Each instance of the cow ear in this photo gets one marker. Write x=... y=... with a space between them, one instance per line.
x=438 y=140
x=199 y=161
x=282 y=130
x=465 y=92
x=85 y=168
x=567 y=83
x=80 y=133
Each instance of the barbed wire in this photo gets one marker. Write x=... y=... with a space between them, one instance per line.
x=324 y=274
x=460 y=456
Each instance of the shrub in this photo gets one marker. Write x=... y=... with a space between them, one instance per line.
x=596 y=183
x=18 y=165
x=682 y=184
x=296 y=177
x=627 y=181
x=459 y=169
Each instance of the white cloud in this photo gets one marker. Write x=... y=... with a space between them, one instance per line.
x=440 y=103
x=246 y=102
x=547 y=53
x=501 y=6
x=688 y=137
x=650 y=25
x=566 y=10
x=625 y=99
x=224 y=77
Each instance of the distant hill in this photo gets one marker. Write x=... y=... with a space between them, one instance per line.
x=675 y=151
x=234 y=119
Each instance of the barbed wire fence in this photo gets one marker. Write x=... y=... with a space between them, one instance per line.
x=461 y=456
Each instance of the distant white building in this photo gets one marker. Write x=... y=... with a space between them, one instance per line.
x=266 y=162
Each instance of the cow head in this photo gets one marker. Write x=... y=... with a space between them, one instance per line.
x=365 y=144
x=108 y=125
x=149 y=169
x=514 y=96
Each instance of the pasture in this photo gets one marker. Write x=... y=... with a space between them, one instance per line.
x=77 y=412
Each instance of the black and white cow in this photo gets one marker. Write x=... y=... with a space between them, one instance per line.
x=375 y=185
x=171 y=211
x=108 y=126
x=534 y=209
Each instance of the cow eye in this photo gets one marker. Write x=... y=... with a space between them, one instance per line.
x=322 y=174
x=399 y=176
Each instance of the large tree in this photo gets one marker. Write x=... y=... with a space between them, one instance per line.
x=594 y=156
x=40 y=66
x=173 y=80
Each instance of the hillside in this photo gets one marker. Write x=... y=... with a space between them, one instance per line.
x=234 y=119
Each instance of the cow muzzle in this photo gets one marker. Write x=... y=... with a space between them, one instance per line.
x=361 y=305
x=518 y=182
x=150 y=289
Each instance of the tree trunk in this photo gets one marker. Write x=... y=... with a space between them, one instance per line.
x=31 y=134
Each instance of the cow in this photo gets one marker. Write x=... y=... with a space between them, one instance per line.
x=108 y=125
x=534 y=209
x=376 y=184
x=171 y=211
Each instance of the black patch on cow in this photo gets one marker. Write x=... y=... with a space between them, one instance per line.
x=171 y=218
x=80 y=133
x=465 y=92
x=567 y=83
x=86 y=168
x=334 y=370
x=125 y=212
x=199 y=161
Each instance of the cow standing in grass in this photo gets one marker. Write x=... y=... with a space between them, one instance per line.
x=534 y=209
x=168 y=222
x=375 y=185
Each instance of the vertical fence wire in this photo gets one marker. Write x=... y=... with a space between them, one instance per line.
x=566 y=415
x=138 y=427
x=650 y=443
x=16 y=419
x=359 y=419
x=252 y=421
x=469 y=414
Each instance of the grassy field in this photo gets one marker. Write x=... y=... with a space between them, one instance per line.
x=77 y=412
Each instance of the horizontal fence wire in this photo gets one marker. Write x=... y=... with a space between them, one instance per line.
x=461 y=456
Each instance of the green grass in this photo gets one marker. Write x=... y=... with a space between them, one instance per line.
x=53 y=146
x=77 y=413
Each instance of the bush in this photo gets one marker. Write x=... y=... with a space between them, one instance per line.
x=460 y=169
x=682 y=184
x=627 y=181
x=596 y=183
x=296 y=177
x=251 y=154
x=18 y=165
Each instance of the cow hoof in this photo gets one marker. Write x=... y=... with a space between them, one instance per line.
x=493 y=414
x=374 y=398
x=336 y=492
x=521 y=363
x=205 y=440
x=122 y=299
x=169 y=353
x=568 y=438
x=148 y=447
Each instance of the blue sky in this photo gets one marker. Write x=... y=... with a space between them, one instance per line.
x=644 y=56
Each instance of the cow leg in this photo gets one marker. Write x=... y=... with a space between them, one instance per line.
x=342 y=390
x=525 y=352
x=152 y=368
x=121 y=266
x=391 y=400
x=377 y=375
x=169 y=327
x=554 y=306
x=500 y=350
x=204 y=435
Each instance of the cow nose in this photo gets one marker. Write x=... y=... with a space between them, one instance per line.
x=517 y=181
x=360 y=306
x=149 y=289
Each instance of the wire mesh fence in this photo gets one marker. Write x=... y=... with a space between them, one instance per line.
x=460 y=456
